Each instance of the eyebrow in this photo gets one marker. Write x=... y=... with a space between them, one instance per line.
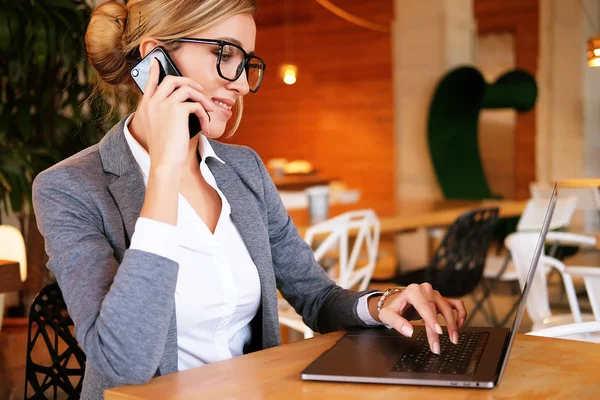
x=236 y=42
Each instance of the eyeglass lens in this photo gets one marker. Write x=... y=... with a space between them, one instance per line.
x=232 y=64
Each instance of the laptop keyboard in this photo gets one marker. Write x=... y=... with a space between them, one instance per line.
x=462 y=358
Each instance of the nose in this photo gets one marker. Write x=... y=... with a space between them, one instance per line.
x=240 y=85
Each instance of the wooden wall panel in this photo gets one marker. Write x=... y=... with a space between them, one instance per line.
x=521 y=18
x=339 y=115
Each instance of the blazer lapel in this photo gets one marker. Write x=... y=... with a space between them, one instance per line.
x=128 y=189
x=245 y=214
x=129 y=193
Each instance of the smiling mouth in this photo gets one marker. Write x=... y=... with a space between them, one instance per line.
x=222 y=105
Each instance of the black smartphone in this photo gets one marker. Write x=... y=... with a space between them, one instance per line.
x=167 y=66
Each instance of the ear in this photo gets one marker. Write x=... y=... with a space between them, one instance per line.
x=147 y=45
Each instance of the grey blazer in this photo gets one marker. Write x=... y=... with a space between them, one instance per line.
x=122 y=301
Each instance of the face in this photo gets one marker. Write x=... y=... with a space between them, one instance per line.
x=199 y=62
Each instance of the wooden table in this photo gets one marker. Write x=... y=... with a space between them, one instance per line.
x=581 y=182
x=301 y=181
x=539 y=368
x=425 y=215
x=10 y=276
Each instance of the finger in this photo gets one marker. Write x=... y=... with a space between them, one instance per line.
x=170 y=83
x=391 y=318
x=422 y=301
x=415 y=296
x=152 y=82
x=461 y=311
x=434 y=340
x=188 y=93
x=446 y=310
x=198 y=109
x=427 y=290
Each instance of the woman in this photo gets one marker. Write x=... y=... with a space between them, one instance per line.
x=169 y=250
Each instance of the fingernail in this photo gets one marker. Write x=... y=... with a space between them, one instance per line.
x=455 y=337
x=407 y=330
x=199 y=86
x=461 y=322
x=436 y=347
x=438 y=329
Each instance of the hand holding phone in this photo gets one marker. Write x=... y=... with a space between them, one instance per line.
x=141 y=72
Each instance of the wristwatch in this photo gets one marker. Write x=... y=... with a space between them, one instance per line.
x=388 y=293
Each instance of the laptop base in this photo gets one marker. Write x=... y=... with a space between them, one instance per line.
x=371 y=356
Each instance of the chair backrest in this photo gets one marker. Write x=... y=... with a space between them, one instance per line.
x=588 y=198
x=533 y=216
x=522 y=248
x=12 y=247
x=49 y=332
x=457 y=265
x=352 y=268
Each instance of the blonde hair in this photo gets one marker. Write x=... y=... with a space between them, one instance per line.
x=116 y=30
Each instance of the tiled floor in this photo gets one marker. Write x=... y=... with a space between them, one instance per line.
x=13 y=339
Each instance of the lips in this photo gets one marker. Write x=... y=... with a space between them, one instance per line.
x=224 y=105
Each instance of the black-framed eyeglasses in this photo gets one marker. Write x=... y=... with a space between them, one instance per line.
x=232 y=61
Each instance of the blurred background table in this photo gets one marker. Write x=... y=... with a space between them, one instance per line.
x=10 y=278
x=301 y=181
x=419 y=214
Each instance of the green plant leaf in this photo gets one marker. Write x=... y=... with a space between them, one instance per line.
x=68 y=4
x=42 y=50
x=24 y=118
x=4 y=33
x=4 y=185
x=16 y=200
x=40 y=41
x=51 y=38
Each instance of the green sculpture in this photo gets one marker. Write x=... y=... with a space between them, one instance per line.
x=453 y=122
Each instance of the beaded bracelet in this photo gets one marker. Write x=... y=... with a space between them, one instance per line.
x=387 y=294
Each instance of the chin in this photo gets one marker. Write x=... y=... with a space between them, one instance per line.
x=214 y=134
x=215 y=131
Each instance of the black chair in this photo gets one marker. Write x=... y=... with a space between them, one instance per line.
x=457 y=265
x=49 y=332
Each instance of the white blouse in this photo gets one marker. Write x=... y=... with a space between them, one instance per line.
x=218 y=288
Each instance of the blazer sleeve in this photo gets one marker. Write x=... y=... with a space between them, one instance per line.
x=324 y=306
x=122 y=311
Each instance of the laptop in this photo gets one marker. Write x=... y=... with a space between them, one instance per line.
x=381 y=355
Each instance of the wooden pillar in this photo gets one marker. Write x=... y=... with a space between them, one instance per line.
x=429 y=37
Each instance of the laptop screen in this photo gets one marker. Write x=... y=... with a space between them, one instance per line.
x=534 y=262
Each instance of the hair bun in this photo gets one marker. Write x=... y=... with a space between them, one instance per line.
x=104 y=41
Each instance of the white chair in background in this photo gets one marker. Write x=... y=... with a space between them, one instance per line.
x=499 y=268
x=531 y=220
x=582 y=331
x=588 y=200
x=353 y=267
x=533 y=216
x=522 y=247
x=587 y=197
x=12 y=248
